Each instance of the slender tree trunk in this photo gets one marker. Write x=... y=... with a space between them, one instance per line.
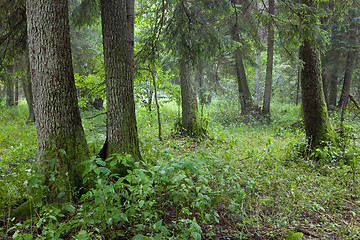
x=244 y=92
x=118 y=38
x=258 y=77
x=190 y=113
x=349 y=68
x=16 y=97
x=332 y=90
x=269 y=63
x=325 y=84
x=16 y=85
x=213 y=82
x=202 y=86
x=10 y=92
x=60 y=134
x=26 y=84
x=153 y=74
x=331 y=70
x=297 y=85
x=10 y=87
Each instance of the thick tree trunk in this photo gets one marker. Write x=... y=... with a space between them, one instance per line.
x=118 y=38
x=269 y=63
x=317 y=125
x=60 y=135
x=190 y=113
x=349 y=68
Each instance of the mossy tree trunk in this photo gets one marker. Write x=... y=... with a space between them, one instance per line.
x=118 y=39
x=317 y=125
x=190 y=112
x=60 y=135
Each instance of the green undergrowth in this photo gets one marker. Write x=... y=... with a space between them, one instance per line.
x=240 y=181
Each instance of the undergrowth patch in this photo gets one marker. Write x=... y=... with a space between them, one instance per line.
x=241 y=181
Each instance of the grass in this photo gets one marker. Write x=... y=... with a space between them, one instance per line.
x=242 y=181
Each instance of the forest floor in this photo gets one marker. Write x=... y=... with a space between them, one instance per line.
x=240 y=181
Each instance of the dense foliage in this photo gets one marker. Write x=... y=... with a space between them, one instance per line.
x=238 y=176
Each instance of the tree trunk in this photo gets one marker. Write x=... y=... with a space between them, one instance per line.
x=269 y=63
x=10 y=87
x=61 y=140
x=153 y=75
x=26 y=84
x=16 y=97
x=244 y=92
x=10 y=92
x=98 y=103
x=317 y=125
x=349 y=68
x=202 y=86
x=325 y=84
x=117 y=18
x=332 y=90
x=189 y=105
x=297 y=85
x=258 y=78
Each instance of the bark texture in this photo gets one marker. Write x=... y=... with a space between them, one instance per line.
x=269 y=63
x=118 y=39
x=58 y=122
x=189 y=105
x=317 y=125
